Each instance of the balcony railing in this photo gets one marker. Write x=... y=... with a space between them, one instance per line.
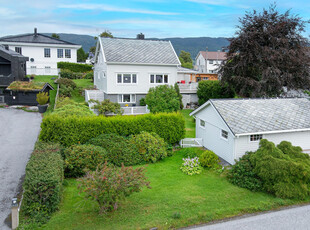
x=188 y=87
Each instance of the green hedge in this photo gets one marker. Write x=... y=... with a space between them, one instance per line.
x=72 y=130
x=74 y=67
x=43 y=181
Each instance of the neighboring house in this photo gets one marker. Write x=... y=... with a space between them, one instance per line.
x=43 y=51
x=188 y=87
x=231 y=127
x=125 y=69
x=12 y=68
x=208 y=62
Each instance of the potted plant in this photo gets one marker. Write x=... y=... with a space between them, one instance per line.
x=42 y=99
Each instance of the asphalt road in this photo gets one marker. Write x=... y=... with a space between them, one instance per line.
x=18 y=133
x=288 y=219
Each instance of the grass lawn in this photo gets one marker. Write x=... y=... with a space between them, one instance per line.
x=190 y=127
x=175 y=200
x=83 y=83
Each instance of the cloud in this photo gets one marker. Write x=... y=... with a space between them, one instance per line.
x=110 y=8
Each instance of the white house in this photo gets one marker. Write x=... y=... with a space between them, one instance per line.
x=188 y=85
x=125 y=69
x=209 y=62
x=43 y=51
x=231 y=127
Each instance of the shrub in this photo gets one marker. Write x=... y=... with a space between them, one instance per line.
x=79 y=158
x=242 y=174
x=74 y=67
x=119 y=150
x=209 y=159
x=213 y=89
x=191 y=166
x=109 y=184
x=162 y=98
x=282 y=175
x=65 y=91
x=106 y=107
x=43 y=181
x=142 y=102
x=66 y=82
x=150 y=146
x=62 y=101
x=72 y=130
x=89 y=75
x=70 y=75
x=42 y=98
x=78 y=110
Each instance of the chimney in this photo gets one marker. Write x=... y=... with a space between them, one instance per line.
x=140 y=36
x=35 y=32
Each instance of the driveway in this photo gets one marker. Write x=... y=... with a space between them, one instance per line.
x=19 y=131
x=288 y=219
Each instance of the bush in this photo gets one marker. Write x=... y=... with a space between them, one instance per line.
x=106 y=107
x=74 y=67
x=66 y=82
x=242 y=174
x=162 y=98
x=65 y=91
x=119 y=150
x=213 y=89
x=43 y=181
x=142 y=102
x=42 y=98
x=70 y=75
x=78 y=110
x=89 y=75
x=191 y=166
x=150 y=146
x=109 y=184
x=209 y=159
x=72 y=130
x=79 y=158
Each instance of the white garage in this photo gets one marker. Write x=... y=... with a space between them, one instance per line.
x=230 y=127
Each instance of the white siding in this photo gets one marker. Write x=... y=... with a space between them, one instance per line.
x=100 y=73
x=200 y=64
x=301 y=139
x=211 y=134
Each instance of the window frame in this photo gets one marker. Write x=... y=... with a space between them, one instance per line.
x=256 y=137
x=47 y=52
x=122 y=78
x=163 y=77
x=204 y=124
x=211 y=62
x=120 y=98
x=18 y=49
x=66 y=54
x=58 y=53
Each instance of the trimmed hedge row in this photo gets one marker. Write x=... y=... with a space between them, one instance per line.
x=73 y=130
x=43 y=181
x=74 y=67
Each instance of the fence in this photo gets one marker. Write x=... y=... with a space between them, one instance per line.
x=191 y=142
x=42 y=71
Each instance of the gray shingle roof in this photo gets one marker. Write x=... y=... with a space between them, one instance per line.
x=11 y=52
x=30 y=38
x=186 y=70
x=139 y=51
x=262 y=115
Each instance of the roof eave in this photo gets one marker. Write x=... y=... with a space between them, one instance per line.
x=133 y=63
x=273 y=132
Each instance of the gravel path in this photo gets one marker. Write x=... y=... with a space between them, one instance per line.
x=288 y=219
x=18 y=133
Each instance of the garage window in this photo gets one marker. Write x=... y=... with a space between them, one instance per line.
x=224 y=134
x=256 y=137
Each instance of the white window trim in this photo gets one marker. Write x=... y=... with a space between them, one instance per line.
x=256 y=140
x=155 y=83
x=131 y=96
x=69 y=52
x=62 y=53
x=226 y=139
x=49 y=52
x=122 y=83
x=203 y=127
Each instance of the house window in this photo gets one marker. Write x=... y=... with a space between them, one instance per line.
x=18 y=50
x=47 y=52
x=211 y=62
x=202 y=123
x=159 y=78
x=60 y=53
x=67 y=53
x=6 y=47
x=47 y=69
x=224 y=134
x=126 y=78
x=256 y=137
x=126 y=98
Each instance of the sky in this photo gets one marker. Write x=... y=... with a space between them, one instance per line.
x=127 y=18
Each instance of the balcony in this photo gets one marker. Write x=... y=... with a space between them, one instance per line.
x=188 y=87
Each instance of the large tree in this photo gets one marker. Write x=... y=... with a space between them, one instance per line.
x=105 y=34
x=81 y=55
x=267 y=53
